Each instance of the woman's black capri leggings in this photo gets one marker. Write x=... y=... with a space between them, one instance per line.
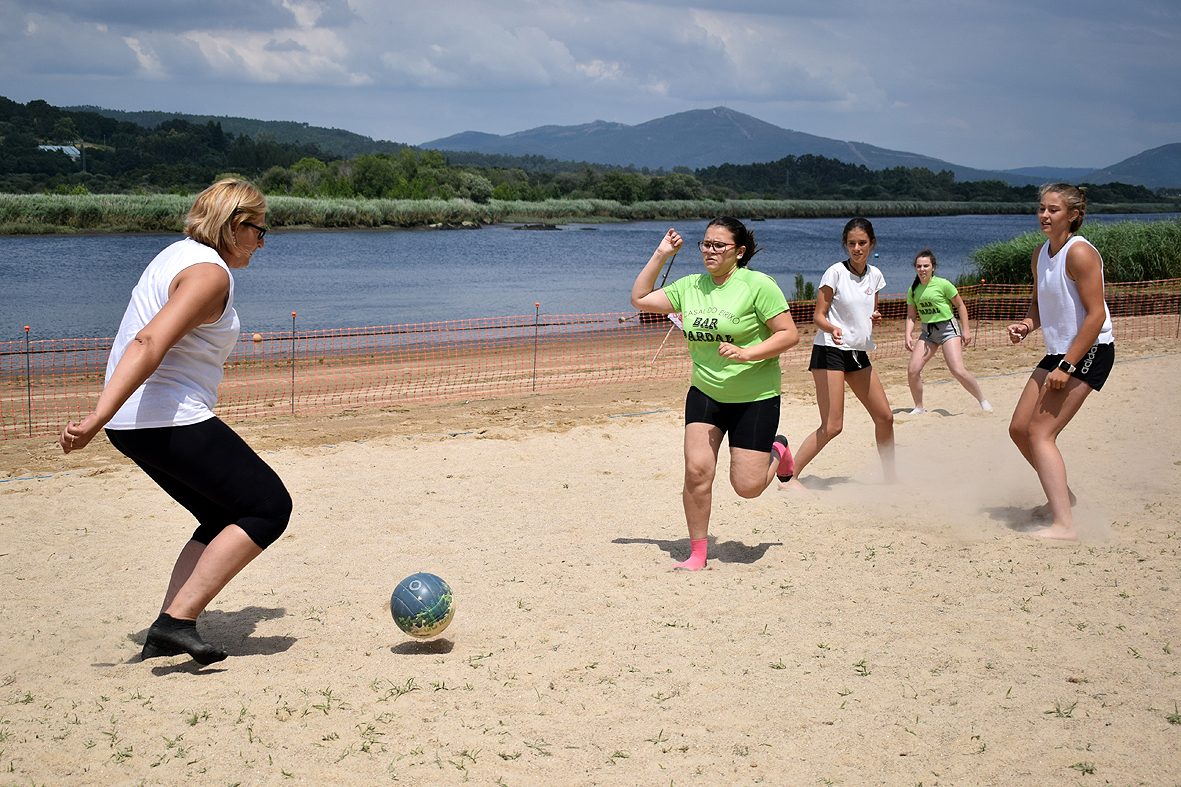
x=209 y=469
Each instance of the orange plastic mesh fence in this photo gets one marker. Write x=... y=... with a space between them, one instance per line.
x=44 y=383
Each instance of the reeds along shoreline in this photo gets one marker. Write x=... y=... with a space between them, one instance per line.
x=1132 y=251
x=33 y=214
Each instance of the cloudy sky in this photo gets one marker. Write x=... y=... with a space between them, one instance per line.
x=993 y=84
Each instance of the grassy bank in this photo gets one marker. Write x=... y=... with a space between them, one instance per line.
x=1132 y=251
x=33 y=214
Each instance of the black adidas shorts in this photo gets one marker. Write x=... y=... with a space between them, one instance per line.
x=1092 y=369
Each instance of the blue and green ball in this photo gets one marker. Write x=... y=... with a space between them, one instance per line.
x=422 y=605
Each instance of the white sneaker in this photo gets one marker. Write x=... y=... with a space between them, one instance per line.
x=985 y=406
x=917 y=411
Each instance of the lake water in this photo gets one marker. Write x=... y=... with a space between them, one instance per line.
x=78 y=287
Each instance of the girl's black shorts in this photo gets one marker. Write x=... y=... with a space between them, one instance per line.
x=750 y=425
x=1092 y=369
x=838 y=360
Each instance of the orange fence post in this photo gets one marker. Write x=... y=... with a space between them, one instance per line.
x=536 y=315
x=293 y=363
x=29 y=381
x=976 y=330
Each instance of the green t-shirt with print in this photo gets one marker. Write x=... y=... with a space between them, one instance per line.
x=735 y=312
x=933 y=300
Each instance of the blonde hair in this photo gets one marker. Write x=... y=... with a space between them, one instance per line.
x=221 y=209
x=1075 y=198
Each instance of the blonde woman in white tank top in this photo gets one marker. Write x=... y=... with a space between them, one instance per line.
x=1069 y=306
x=157 y=408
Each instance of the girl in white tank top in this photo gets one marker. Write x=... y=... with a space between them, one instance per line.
x=1061 y=308
x=1069 y=307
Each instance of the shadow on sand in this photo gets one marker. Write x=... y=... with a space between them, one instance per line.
x=231 y=631
x=1019 y=520
x=423 y=647
x=721 y=551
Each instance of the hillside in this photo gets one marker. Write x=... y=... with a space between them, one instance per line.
x=1154 y=169
x=1053 y=174
x=695 y=139
x=338 y=142
x=698 y=138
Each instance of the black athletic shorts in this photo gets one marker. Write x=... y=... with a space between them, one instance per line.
x=1092 y=369
x=838 y=360
x=750 y=425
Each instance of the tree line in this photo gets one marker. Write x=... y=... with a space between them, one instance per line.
x=180 y=157
x=121 y=157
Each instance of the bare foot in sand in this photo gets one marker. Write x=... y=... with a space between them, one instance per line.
x=1043 y=511
x=1058 y=532
x=794 y=486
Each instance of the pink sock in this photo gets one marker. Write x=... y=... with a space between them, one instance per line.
x=696 y=561
x=787 y=463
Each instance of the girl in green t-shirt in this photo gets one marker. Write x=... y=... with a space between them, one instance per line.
x=736 y=323
x=930 y=301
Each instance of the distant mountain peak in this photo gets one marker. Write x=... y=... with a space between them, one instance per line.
x=1153 y=169
x=696 y=138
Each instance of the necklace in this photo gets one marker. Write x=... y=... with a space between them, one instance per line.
x=849 y=267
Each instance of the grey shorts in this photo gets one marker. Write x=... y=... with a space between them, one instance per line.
x=940 y=332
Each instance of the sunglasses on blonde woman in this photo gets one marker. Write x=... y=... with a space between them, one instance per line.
x=261 y=230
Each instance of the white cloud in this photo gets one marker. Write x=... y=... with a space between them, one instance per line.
x=307 y=57
x=147 y=61
x=598 y=70
x=320 y=13
x=973 y=82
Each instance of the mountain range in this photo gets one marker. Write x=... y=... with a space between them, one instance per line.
x=695 y=139
x=710 y=137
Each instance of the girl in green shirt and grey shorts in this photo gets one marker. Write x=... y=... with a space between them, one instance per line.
x=930 y=300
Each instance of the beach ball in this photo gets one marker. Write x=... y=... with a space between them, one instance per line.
x=422 y=605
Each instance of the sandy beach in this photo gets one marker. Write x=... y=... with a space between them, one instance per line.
x=856 y=634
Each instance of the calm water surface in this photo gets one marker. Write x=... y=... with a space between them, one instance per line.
x=78 y=287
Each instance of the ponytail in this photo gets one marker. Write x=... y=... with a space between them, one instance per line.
x=934 y=267
x=742 y=237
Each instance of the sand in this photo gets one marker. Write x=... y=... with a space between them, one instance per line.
x=856 y=634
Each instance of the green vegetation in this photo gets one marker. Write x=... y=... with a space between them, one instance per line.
x=335 y=142
x=181 y=157
x=119 y=157
x=1133 y=246
x=65 y=213
x=1132 y=251
x=804 y=290
x=816 y=177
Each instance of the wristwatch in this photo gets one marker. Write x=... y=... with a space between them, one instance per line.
x=1066 y=366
